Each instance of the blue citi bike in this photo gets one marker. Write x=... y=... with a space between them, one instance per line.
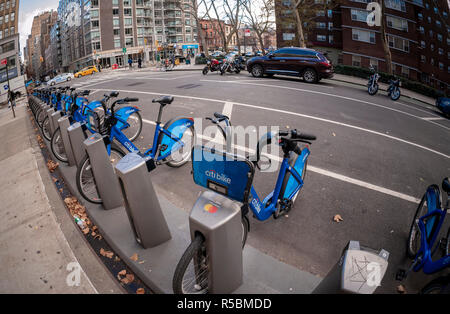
x=232 y=175
x=423 y=243
x=172 y=142
x=77 y=107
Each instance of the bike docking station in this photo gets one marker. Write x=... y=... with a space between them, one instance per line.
x=358 y=271
x=77 y=134
x=218 y=219
x=54 y=120
x=102 y=169
x=141 y=203
x=64 y=124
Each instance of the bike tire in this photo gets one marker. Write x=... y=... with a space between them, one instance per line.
x=46 y=132
x=205 y=71
x=413 y=242
x=440 y=285
x=136 y=134
x=395 y=97
x=196 y=250
x=374 y=91
x=186 y=157
x=55 y=141
x=447 y=247
x=84 y=171
x=40 y=116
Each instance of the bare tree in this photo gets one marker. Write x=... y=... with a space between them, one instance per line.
x=259 y=14
x=229 y=10
x=384 y=41
x=193 y=7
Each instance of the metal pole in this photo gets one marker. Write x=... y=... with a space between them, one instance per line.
x=10 y=96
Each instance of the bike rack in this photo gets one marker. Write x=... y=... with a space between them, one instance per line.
x=359 y=271
x=218 y=219
x=50 y=111
x=141 y=203
x=76 y=138
x=64 y=124
x=106 y=180
x=54 y=120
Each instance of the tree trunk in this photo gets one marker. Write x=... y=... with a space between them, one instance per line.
x=385 y=43
x=301 y=37
x=261 y=42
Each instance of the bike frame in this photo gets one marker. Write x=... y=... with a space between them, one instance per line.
x=117 y=134
x=428 y=236
x=261 y=211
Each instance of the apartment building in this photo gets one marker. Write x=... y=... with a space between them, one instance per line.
x=417 y=32
x=211 y=30
x=111 y=31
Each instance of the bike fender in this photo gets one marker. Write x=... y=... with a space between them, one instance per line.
x=124 y=113
x=177 y=127
x=297 y=162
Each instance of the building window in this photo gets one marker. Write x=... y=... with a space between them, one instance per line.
x=95 y=24
x=431 y=33
x=420 y=16
x=441 y=51
x=117 y=43
x=365 y=36
x=330 y=13
x=423 y=58
x=439 y=37
x=129 y=42
x=128 y=21
x=438 y=23
x=330 y=39
x=398 y=43
x=421 y=29
x=128 y=32
x=116 y=32
x=321 y=25
x=356 y=61
x=374 y=64
x=441 y=66
x=432 y=47
x=432 y=61
x=321 y=38
x=94 y=13
x=330 y=26
x=96 y=45
x=359 y=15
x=115 y=11
x=429 y=19
x=405 y=71
x=398 y=5
x=320 y=13
x=397 y=23
x=127 y=3
x=116 y=22
x=127 y=12
x=288 y=36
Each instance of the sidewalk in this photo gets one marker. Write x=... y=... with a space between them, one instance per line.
x=383 y=87
x=34 y=252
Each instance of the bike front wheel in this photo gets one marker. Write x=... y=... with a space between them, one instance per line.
x=85 y=177
x=57 y=146
x=46 y=129
x=181 y=156
x=192 y=272
x=134 y=130
x=414 y=238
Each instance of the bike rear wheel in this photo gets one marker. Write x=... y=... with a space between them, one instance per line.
x=57 y=146
x=85 y=178
x=40 y=116
x=192 y=272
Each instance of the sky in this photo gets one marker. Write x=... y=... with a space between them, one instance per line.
x=27 y=10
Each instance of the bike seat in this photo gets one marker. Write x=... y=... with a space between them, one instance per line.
x=164 y=100
x=220 y=116
x=446 y=185
x=114 y=94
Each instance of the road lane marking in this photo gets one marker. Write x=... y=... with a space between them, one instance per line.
x=321 y=171
x=434 y=118
x=299 y=115
x=227 y=109
x=331 y=95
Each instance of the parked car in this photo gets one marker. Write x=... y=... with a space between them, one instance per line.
x=443 y=105
x=307 y=63
x=86 y=71
x=65 y=77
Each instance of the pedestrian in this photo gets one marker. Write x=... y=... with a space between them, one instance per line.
x=139 y=62
x=130 y=62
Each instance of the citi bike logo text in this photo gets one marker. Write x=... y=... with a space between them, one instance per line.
x=373 y=274
x=74 y=277
x=256 y=204
x=218 y=176
x=374 y=17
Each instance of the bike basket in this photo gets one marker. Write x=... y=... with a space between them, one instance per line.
x=227 y=174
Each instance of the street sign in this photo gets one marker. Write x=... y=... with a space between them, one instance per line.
x=124 y=50
x=4 y=61
x=5 y=87
x=247 y=32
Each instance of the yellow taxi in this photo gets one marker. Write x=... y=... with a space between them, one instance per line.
x=86 y=71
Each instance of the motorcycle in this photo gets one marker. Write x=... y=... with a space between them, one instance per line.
x=229 y=65
x=212 y=65
x=394 y=88
x=372 y=85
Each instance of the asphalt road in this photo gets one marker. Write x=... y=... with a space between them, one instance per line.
x=371 y=162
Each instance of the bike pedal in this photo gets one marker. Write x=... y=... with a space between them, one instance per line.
x=400 y=275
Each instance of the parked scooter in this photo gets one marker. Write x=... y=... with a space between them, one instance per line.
x=372 y=85
x=212 y=65
x=394 y=88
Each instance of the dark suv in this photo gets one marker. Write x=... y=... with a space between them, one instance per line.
x=307 y=63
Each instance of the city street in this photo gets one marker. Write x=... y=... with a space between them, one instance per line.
x=371 y=162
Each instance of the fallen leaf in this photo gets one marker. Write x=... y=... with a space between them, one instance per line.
x=334 y=134
x=141 y=262
x=122 y=272
x=134 y=257
x=337 y=218
x=86 y=230
x=51 y=165
x=116 y=259
x=129 y=278
x=140 y=291
x=107 y=254
x=401 y=289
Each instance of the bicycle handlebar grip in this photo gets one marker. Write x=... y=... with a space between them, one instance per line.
x=303 y=136
x=127 y=99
